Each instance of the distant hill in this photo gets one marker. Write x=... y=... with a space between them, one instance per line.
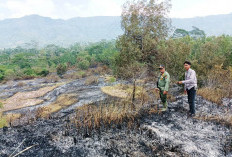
x=56 y=31
x=212 y=25
x=44 y=30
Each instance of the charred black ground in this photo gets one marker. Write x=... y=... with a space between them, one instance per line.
x=171 y=133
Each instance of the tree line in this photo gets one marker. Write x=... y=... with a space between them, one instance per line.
x=24 y=63
x=145 y=43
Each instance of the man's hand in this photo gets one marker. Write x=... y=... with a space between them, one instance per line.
x=179 y=82
x=185 y=92
x=165 y=92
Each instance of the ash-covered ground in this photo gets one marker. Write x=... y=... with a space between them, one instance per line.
x=170 y=133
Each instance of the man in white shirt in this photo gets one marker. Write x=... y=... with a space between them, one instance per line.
x=190 y=86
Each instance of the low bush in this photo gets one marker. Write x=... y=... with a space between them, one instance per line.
x=10 y=74
x=81 y=74
x=29 y=72
x=84 y=64
x=61 y=69
x=44 y=72
x=91 y=80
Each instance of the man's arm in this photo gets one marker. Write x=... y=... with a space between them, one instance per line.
x=191 y=80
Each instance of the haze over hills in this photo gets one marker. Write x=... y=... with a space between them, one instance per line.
x=44 y=30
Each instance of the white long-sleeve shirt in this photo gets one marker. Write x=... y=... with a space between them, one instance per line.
x=190 y=79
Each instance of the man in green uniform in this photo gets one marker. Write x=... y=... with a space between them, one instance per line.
x=163 y=86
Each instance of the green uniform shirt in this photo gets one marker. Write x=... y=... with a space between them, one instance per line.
x=163 y=81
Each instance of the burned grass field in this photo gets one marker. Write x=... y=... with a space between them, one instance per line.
x=78 y=118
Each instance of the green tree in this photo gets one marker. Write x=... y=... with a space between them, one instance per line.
x=173 y=53
x=197 y=33
x=179 y=33
x=21 y=60
x=144 y=24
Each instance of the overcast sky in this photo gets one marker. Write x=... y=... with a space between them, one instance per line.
x=66 y=9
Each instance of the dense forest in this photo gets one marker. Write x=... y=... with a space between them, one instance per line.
x=206 y=53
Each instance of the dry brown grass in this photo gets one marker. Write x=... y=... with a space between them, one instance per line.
x=224 y=120
x=51 y=78
x=76 y=75
x=21 y=84
x=122 y=91
x=25 y=99
x=171 y=98
x=101 y=70
x=72 y=76
x=212 y=94
x=117 y=113
x=62 y=101
x=219 y=85
x=93 y=117
x=91 y=80
x=110 y=78
x=113 y=114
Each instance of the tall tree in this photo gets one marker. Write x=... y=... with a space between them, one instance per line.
x=197 y=33
x=179 y=33
x=145 y=24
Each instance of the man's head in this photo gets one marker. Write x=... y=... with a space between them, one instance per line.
x=162 y=68
x=187 y=65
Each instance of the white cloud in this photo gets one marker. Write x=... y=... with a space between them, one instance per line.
x=26 y=7
x=105 y=7
x=66 y=9
x=95 y=8
x=200 y=8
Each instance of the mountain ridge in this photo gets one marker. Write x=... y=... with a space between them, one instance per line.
x=45 y=30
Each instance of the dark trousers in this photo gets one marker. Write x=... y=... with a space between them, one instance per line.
x=191 y=100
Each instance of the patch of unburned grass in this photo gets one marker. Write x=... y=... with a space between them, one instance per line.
x=51 y=78
x=75 y=75
x=121 y=91
x=113 y=114
x=91 y=80
x=25 y=99
x=21 y=84
x=224 y=120
x=92 y=116
x=8 y=118
x=212 y=94
x=1 y=105
x=3 y=121
x=101 y=70
x=62 y=101
x=110 y=79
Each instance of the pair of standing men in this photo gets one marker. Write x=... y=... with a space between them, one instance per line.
x=190 y=86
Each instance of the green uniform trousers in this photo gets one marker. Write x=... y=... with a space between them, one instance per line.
x=163 y=99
